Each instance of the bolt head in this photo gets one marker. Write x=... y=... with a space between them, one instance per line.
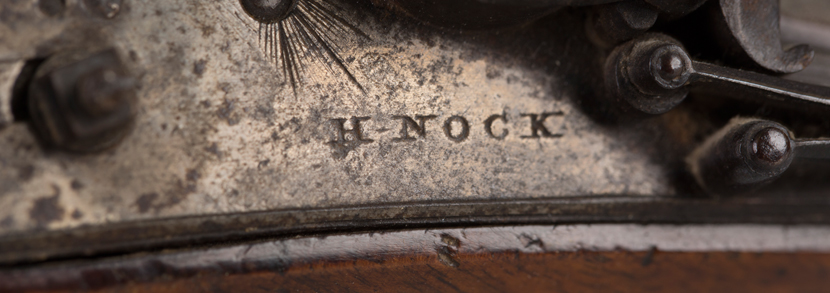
x=268 y=11
x=102 y=91
x=82 y=104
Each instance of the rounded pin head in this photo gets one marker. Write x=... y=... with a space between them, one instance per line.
x=268 y=11
x=670 y=66
x=770 y=145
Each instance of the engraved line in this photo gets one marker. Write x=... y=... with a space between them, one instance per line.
x=284 y=52
x=322 y=18
x=331 y=31
x=337 y=60
x=310 y=48
x=313 y=25
x=298 y=53
x=339 y=19
x=316 y=47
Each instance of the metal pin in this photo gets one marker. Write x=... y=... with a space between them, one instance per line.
x=748 y=153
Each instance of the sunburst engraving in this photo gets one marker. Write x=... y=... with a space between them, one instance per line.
x=295 y=32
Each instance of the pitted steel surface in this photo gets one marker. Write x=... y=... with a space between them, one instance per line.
x=222 y=128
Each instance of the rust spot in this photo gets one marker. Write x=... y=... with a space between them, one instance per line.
x=226 y=112
x=341 y=151
x=492 y=72
x=76 y=185
x=171 y=197
x=199 y=67
x=531 y=240
x=263 y=163
x=445 y=257
x=180 y=192
x=451 y=241
x=77 y=214
x=26 y=173
x=193 y=175
x=7 y=222
x=207 y=30
x=448 y=250
x=214 y=149
x=145 y=201
x=47 y=209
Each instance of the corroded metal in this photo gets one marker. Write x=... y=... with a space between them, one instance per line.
x=634 y=74
x=654 y=73
x=84 y=104
x=195 y=231
x=754 y=24
x=237 y=116
x=748 y=154
x=743 y=156
x=339 y=116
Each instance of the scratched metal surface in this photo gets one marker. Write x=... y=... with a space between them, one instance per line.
x=222 y=129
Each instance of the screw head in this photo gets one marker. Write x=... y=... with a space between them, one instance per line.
x=102 y=91
x=770 y=145
x=268 y=11
x=635 y=71
x=82 y=104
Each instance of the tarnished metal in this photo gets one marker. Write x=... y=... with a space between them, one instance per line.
x=324 y=116
x=614 y=23
x=743 y=156
x=748 y=154
x=151 y=235
x=83 y=105
x=749 y=85
x=648 y=74
x=754 y=24
x=673 y=9
x=474 y=14
x=653 y=74
x=221 y=129
x=52 y=7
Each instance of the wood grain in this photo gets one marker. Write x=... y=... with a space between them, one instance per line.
x=612 y=271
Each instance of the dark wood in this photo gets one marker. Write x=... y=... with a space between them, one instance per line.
x=614 y=271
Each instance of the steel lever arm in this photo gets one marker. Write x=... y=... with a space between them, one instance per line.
x=750 y=84
x=812 y=148
x=654 y=73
